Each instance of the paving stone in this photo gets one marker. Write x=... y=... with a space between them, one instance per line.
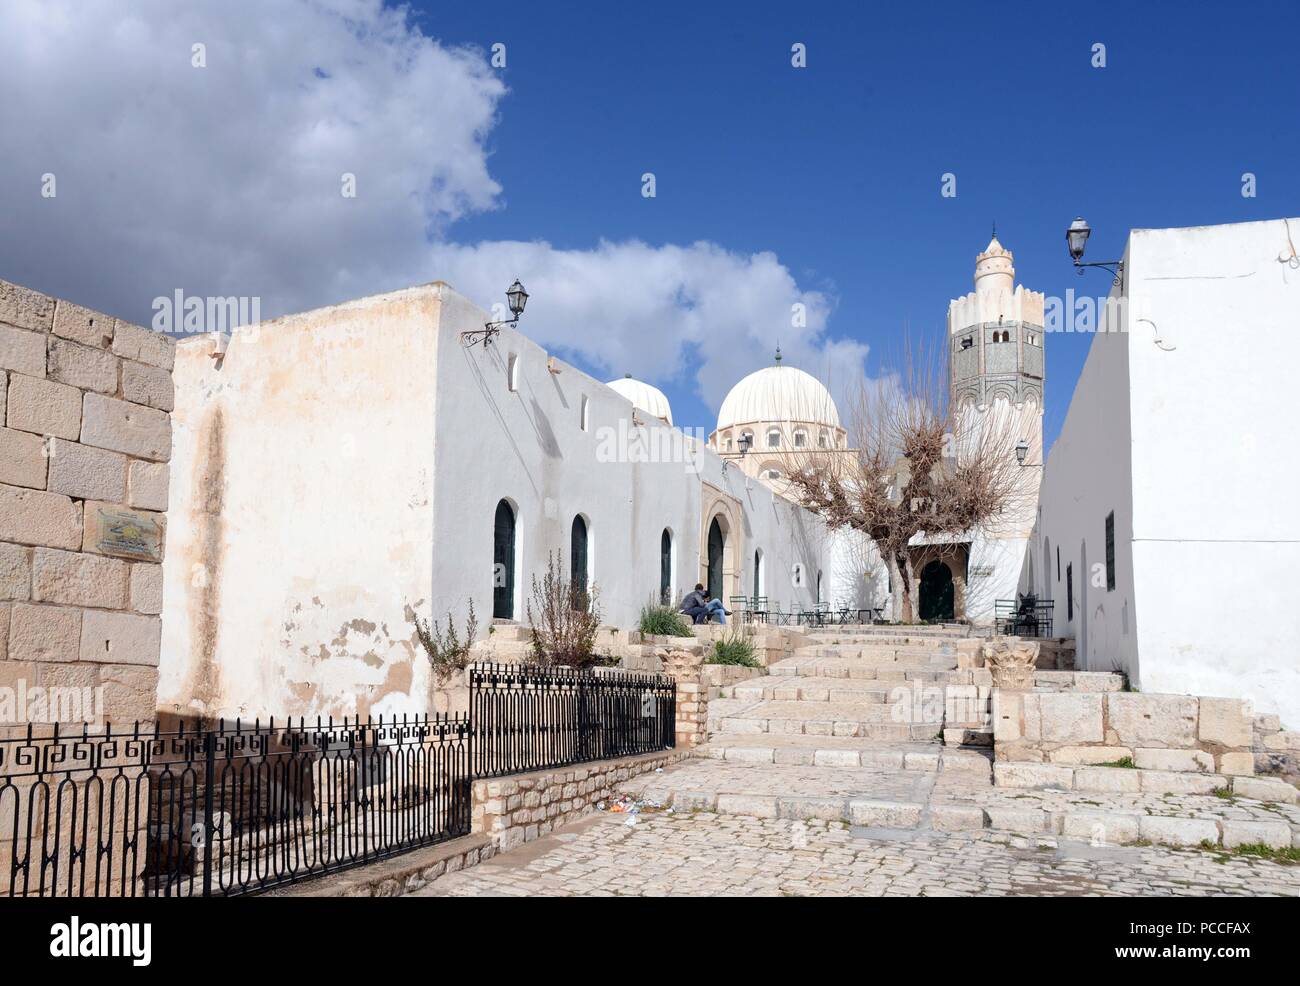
x=1244 y=832
x=1166 y=782
x=748 y=857
x=1032 y=775
x=1105 y=779
x=1193 y=761
x=956 y=818
x=1172 y=831
x=1265 y=789
x=1110 y=828
x=884 y=814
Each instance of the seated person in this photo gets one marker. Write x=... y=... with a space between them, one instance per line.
x=695 y=605
x=714 y=608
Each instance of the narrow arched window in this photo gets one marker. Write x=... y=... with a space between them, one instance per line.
x=666 y=567
x=578 y=556
x=503 y=562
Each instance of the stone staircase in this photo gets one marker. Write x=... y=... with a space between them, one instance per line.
x=872 y=685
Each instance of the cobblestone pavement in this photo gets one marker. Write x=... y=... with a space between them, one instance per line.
x=801 y=790
x=707 y=854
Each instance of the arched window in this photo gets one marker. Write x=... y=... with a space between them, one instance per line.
x=819 y=586
x=584 y=417
x=800 y=439
x=578 y=556
x=824 y=440
x=758 y=573
x=503 y=563
x=666 y=567
x=773 y=438
x=512 y=372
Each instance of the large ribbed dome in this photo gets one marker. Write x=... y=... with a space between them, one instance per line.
x=778 y=393
x=642 y=395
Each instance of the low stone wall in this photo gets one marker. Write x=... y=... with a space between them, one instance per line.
x=1157 y=732
x=396 y=875
x=717 y=676
x=771 y=643
x=519 y=809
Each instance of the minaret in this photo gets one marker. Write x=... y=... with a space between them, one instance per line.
x=995 y=337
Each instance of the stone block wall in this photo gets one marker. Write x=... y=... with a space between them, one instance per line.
x=1183 y=733
x=518 y=809
x=85 y=439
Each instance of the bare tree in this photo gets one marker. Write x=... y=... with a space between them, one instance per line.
x=917 y=470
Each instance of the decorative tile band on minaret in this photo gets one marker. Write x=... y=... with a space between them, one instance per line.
x=996 y=336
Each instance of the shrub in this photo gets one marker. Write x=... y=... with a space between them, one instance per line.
x=663 y=621
x=735 y=647
x=563 y=619
x=447 y=652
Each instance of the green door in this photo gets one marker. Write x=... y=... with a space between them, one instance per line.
x=936 y=601
x=715 y=548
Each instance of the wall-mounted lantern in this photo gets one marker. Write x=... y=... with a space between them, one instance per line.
x=1076 y=237
x=516 y=299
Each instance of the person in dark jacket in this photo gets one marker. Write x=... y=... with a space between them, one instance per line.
x=701 y=607
x=696 y=605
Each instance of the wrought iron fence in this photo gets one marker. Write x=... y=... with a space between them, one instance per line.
x=227 y=809
x=530 y=718
x=1023 y=617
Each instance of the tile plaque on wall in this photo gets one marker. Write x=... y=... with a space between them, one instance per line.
x=127 y=534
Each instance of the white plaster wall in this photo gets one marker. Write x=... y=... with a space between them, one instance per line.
x=1088 y=474
x=1215 y=525
x=527 y=446
x=1180 y=425
x=299 y=516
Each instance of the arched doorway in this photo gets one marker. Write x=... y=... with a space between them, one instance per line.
x=578 y=557
x=716 y=546
x=503 y=563
x=666 y=567
x=936 y=602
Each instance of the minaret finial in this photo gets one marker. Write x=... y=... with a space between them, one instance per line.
x=778 y=352
x=995 y=229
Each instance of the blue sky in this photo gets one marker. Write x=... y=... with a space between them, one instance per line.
x=775 y=185
x=836 y=167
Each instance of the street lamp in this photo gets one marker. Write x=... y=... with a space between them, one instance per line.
x=516 y=298
x=1022 y=450
x=1076 y=237
x=744 y=442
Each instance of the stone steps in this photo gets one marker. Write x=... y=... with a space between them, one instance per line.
x=828 y=667
x=844 y=751
x=807 y=689
x=1130 y=780
x=955 y=801
x=968 y=736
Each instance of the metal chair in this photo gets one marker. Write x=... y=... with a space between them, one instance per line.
x=740 y=606
x=760 y=609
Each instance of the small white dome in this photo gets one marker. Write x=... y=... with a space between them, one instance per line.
x=643 y=396
x=778 y=393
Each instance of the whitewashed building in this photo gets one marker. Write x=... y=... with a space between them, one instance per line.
x=339 y=471
x=1168 y=530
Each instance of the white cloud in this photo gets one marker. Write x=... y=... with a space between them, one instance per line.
x=225 y=180
x=655 y=311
